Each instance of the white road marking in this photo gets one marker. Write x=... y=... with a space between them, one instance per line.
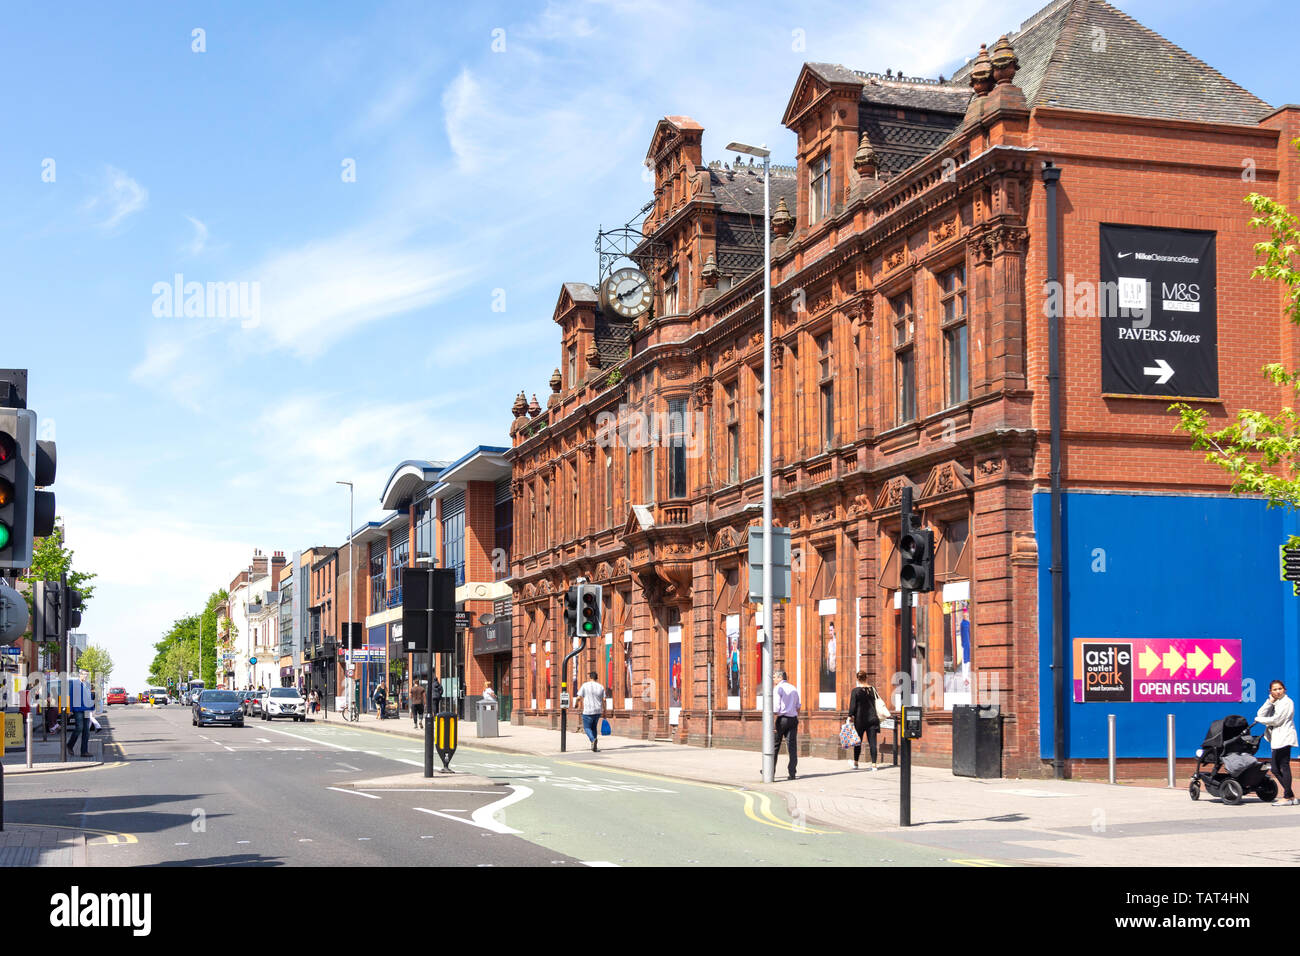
x=357 y=792
x=597 y=863
x=243 y=841
x=489 y=793
x=310 y=740
x=304 y=840
x=349 y=766
x=483 y=816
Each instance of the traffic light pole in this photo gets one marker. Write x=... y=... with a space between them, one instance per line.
x=905 y=761
x=564 y=687
x=67 y=664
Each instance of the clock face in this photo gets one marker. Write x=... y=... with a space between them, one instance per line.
x=627 y=293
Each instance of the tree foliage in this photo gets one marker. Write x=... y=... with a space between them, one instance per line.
x=1261 y=451
x=97 y=661
x=178 y=652
x=50 y=560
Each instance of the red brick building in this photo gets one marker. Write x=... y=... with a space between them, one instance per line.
x=911 y=350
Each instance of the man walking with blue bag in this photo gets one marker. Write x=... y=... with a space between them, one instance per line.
x=593 y=708
x=81 y=703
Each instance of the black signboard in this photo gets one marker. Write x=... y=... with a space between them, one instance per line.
x=429 y=593
x=1158 y=309
x=1107 y=672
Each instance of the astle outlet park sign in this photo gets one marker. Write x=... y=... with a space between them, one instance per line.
x=1159 y=319
x=1152 y=671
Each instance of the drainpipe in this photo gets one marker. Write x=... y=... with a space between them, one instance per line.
x=1051 y=177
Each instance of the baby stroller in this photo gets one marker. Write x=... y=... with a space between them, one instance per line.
x=1229 y=749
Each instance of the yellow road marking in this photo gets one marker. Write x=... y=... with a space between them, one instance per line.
x=764 y=814
x=980 y=863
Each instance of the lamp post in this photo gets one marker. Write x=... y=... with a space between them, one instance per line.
x=352 y=587
x=769 y=753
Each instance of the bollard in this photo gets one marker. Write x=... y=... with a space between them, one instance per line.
x=1110 y=744
x=1172 y=754
x=28 y=741
x=444 y=735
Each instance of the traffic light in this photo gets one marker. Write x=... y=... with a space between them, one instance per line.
x=588 y=610
x=571 y=610
x=45 y=611
x=73 y=602
x=17 y=486
x=916 y=567
x=13 y=615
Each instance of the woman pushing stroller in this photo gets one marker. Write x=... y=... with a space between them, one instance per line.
x=1278 y=715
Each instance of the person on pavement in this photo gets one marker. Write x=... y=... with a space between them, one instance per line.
x=785 y=707
x=1278 y=715
x=379 y=698
x=593 y=708
x=862 y=710
x=488 y=693
x=417 y=704
x=435 y=697
x=79 y=700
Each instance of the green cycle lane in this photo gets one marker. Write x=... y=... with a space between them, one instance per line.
x=621 y=817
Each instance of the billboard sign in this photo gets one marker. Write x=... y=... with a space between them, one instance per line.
x=1160 y=670
x=1158 y=308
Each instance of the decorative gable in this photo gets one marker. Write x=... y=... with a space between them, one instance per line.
x=891 y=494
x=946 y=480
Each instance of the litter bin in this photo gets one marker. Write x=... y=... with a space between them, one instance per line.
x=487 y=718
x=977 y=741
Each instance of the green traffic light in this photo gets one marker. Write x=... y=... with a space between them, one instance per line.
x=4 y=536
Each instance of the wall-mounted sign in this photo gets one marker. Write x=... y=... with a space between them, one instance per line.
x=1158 y=310
x=1157 y=670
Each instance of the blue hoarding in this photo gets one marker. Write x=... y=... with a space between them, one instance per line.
x=1156 y=567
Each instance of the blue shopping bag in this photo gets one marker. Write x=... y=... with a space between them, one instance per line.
x=604 y=727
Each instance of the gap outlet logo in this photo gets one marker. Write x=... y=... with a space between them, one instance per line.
x=75 y=909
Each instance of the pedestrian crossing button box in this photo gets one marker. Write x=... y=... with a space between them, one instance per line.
x=912 y=723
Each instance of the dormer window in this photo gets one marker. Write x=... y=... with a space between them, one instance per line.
x=819 y=189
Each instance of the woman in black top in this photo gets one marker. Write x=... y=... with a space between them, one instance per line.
x=862 y=710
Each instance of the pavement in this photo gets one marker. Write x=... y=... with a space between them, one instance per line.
x=1042 y=821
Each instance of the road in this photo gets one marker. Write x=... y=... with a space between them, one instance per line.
x=270 y=794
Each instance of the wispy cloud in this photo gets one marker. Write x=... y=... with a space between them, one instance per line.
x=316 y=293
x=120 y=196
x=199 y=240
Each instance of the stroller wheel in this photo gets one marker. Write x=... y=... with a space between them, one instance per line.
x=1230 y=791
x=1267 y=790
x=1194 y=788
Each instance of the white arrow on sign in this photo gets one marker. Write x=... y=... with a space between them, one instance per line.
x=1162 y=369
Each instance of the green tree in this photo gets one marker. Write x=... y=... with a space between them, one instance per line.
x=1261 y=451
x=178 y=652
x=98 y=662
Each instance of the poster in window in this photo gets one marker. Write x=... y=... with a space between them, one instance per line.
x=609 y=670
x=956 y=644
x=828 y=653
x=627 y=669
x=732 y=630
x=532 y=674
x=674 y=673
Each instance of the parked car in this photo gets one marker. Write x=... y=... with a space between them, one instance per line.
x=253 y=702
x=218 y=707
x=284 y=702
x=116 y=695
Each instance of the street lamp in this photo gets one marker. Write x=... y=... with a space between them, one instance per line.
x=769 y=753
x=352 y=587
x=429 y=716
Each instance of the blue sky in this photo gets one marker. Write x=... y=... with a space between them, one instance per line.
x=185 y=442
